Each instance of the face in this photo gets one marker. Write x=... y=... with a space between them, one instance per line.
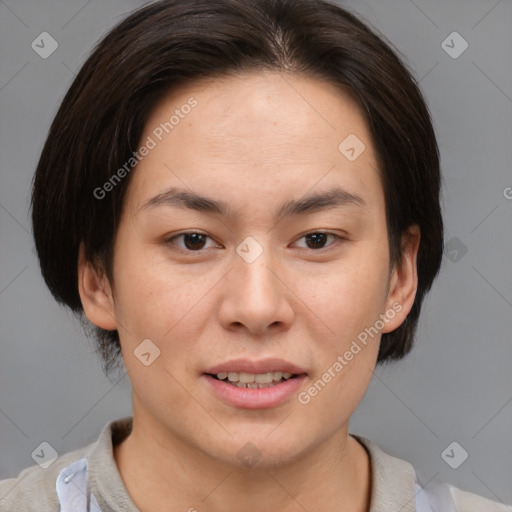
x=282 y=267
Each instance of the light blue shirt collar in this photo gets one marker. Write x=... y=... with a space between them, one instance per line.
x=73 y=489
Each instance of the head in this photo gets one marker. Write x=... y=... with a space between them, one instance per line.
x=242 y=180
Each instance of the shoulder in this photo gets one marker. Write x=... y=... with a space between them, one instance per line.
x=468 y=502
x=394 y=481
x=439 y=496
x=34 y=489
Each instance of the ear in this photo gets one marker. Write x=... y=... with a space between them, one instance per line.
x=95 y=293
x=404 y=280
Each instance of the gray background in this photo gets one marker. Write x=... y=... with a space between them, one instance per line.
x=455 y=386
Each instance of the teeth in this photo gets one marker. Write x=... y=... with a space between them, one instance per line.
x=264 y=378
x=252 y=380
x=253 y=385
x=247 y=378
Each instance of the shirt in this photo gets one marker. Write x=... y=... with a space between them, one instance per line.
x=88 y=480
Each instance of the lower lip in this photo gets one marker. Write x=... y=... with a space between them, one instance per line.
x=260 y=398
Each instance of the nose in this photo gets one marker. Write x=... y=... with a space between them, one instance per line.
x=256 y=296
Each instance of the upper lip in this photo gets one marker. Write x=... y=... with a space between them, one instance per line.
x=262 y=366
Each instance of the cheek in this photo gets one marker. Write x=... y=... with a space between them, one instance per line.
x=347 y=355
x=352 y=305
x=153 y=295
x=349 y=297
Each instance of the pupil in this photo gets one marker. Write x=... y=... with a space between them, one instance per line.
x=316 y=240
x=195 y=239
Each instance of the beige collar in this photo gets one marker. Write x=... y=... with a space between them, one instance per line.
x=392 y=479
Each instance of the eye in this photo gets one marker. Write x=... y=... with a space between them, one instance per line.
x=317 y=239
x=193 y=241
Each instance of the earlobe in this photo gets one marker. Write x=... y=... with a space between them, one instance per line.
x=95 y=293
x=404 y=280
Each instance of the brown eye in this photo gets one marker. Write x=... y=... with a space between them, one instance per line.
x=318 y=239
x=192 y=241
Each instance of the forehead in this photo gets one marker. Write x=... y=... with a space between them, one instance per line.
x=258 y=133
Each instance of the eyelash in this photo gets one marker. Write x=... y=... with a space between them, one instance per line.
x=174 y=237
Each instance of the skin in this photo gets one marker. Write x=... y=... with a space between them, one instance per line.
x=254 y=141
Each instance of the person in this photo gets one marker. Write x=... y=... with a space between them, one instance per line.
x=242 y=197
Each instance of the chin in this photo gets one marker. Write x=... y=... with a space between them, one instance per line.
x=247 y=450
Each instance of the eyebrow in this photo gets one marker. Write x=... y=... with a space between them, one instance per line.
x=180 y=198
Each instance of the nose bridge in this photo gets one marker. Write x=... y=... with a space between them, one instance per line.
x=255 y=297
x=252 y=266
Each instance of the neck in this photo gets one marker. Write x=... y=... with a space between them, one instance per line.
x=161 y=471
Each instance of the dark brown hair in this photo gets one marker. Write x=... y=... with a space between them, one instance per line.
x=168 y=43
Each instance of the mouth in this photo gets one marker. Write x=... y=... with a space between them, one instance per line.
x=262 y=384
x=253 y=380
